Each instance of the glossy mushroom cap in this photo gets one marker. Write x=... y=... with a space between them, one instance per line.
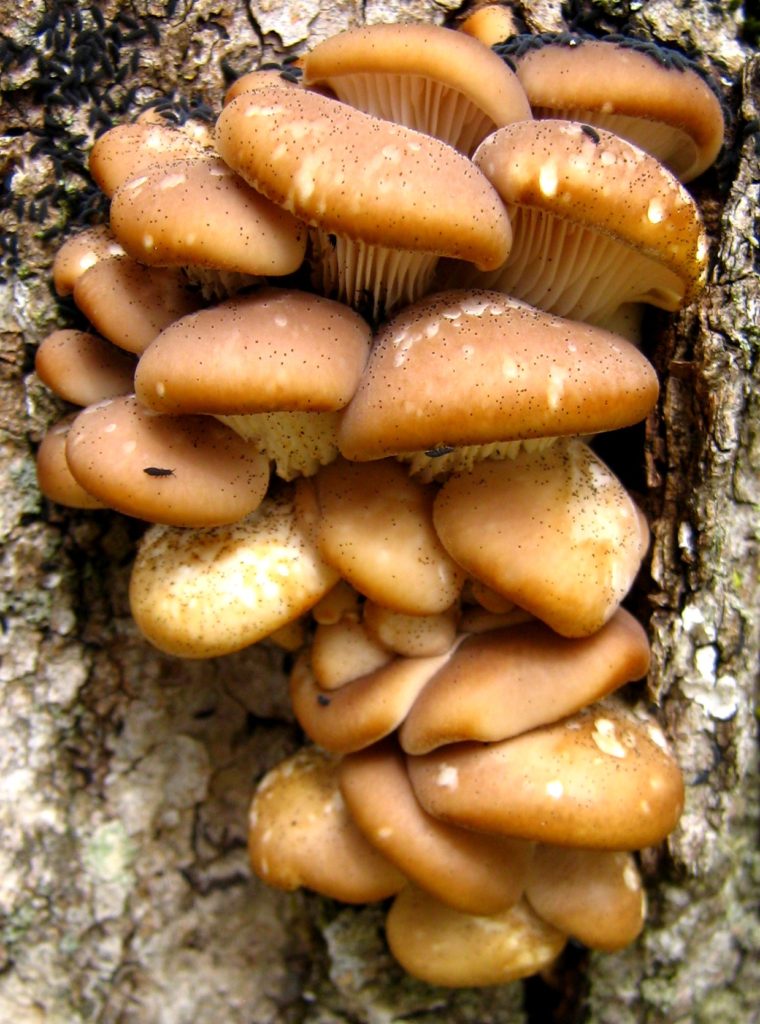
x=80 y=252
x=554 y=531
x=127 y=150
x=477 y=874
x=198 y=213
x=178 y=470
x=505 y=682
x=300 y=834
x=203 y=593
x=594 y=895
x=491 y=24
x=54 y=478
x=386 y=201
x=600 y=779
x=130 y=304
x=375 y=527
x=443 y=946
x=646 y=93
x=272 y=350
x=83 y=368
x=597 y=222
x=426 y=77
x=478 y=368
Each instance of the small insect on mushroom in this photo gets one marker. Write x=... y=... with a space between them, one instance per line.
x=158 y=471
x=441 y=450
x=591 y=132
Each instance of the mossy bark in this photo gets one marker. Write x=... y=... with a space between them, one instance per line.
x=125 y=775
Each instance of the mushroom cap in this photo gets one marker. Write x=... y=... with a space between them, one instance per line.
x=362 y=177
x=602 y=778
x=491 y=24
x=130 y=304
x=594 y=895
x=253 y=80
x=361 y=712
x=554 y=531
x=83 y=368
x=508 y=681
x=474 y=873
x=54 y=477
x=202 y=593
x=343 y=651
x=415 y=636
x=300 y=834
x=443 y=946
x=126 y=150
x=644 y=92
x=375 y=527
x=182 y=471
x=644 y=236
x=274 y=349
x=198 y=212
x=80 y=252
x=423 y=76
x=477 y=367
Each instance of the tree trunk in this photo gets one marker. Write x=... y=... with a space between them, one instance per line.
x=125 y=894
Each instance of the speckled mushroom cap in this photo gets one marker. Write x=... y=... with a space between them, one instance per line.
x=474 y=873
x=554 y=531
x=646 y=93
x=199 y=213
x=502 y=683
x=343 y=651
x=426 y=77
x=361 y=712
x=54 y=478
x=385 y=201
x=203 y=593
x=83 y=368
x=472 y=368
x=258 y=79
x=80 y=252
x=594 y=895
x=443 y=946
x=597 y=222
x=129 y=303
x=603 y=778
x=128 y=149
x=178 y=470
x=300 y=834
x=414 y=636
x=275 y=349
x=375 y=527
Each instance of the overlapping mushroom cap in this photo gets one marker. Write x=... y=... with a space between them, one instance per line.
x=425 y=77
x=646 y=93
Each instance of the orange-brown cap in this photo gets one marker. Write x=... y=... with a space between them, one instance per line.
x=343 y=651
x=426 y=77
x=80 y=252
x=644 y=92
x=359 y=176
x=594 y=895
x=603 y=778
x=178 y=470
x=199 y=213
x=83 y=368
x=508 y=681
x=491 y=23
x=443 y=946
x=129 y=303
x=300 y=834
x=54 y=477
x=474 y=368
x=554 y=531
x=597 y=222
x=128 y=149
x=275 y=349
x=477 y=874
x=375 y=526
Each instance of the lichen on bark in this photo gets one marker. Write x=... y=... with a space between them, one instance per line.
x=124 y=889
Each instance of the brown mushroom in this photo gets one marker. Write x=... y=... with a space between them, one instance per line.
x=83 y=368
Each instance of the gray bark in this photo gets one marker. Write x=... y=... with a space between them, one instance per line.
x=125 y=775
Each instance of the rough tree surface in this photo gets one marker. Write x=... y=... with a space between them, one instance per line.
x=125 y=775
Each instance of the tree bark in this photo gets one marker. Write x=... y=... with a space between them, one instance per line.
x=125 y=775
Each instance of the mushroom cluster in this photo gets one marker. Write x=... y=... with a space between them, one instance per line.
x=348 y=354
